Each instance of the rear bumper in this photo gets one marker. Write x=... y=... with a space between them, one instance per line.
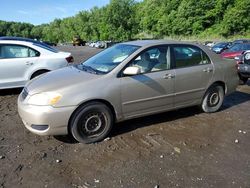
x=45 y=120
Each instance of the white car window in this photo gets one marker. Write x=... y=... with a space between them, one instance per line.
x=13 y=51
x=17 y=51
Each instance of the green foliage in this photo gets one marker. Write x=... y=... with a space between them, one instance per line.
x=123 y=20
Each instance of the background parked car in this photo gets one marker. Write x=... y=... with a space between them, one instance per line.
x=243 y=63
x=100 y=44
x=235 y=50
x=209 y=44
x=221 y=46
x=240 y=41
x=22 y=60
x=77 y=41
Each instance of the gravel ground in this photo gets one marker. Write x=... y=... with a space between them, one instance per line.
x=183 y=148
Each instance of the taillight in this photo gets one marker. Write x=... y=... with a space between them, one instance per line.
x=70 y=59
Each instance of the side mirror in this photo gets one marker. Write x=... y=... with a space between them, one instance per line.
x=132 y=71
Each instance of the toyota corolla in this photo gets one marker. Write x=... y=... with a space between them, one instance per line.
x=126 y=81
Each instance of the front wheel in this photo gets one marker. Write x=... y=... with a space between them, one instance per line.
x=91 y=123
x=213 y=99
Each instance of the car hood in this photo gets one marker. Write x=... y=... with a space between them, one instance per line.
x=53 y=81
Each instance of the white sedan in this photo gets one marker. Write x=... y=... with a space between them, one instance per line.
x=22 y=60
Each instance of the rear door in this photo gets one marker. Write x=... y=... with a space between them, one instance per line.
x=15 y=62
x=194 y=71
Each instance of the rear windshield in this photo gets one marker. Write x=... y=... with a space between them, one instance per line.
x=47 y=47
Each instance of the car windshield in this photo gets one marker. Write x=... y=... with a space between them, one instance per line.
x=239 y=47
x=107 y=60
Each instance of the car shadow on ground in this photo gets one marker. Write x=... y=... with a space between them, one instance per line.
x=69 y=139
x=131 y=125
x=5 y=92
x=234 y=99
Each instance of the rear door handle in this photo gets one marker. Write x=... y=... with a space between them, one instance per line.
x=208 y=69
x=169 y=76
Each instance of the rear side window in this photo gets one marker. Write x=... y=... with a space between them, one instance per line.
x=186 y=56
x=17 y=51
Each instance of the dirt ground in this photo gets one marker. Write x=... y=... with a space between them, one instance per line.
x=184 y=148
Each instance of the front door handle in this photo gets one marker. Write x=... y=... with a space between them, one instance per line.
x=29 y=63
x=169 y=76
x=208 y=69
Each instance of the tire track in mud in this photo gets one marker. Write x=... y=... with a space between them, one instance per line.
x=128 y=148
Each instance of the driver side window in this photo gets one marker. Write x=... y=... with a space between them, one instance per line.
x=152 y=60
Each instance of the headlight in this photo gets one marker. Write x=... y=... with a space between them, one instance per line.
x=44 y=99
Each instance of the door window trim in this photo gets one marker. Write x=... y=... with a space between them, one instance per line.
x=169 y=57
x=187 y=45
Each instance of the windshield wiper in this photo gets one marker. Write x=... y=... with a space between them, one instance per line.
x=88 y=69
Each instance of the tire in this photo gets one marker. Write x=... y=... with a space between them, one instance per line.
x=91 y=123
x=243 y=80
x=213 y=99
x=38 y=73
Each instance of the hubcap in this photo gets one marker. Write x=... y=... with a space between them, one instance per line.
x=214 y=99
x=93 y=124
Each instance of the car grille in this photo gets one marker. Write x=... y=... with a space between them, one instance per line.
x=24 y=93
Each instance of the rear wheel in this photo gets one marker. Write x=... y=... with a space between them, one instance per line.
x=213 y=99
x=91 y=123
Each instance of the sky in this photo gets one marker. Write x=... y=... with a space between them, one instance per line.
x=44 y=11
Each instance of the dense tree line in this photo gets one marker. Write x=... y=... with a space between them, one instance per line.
x=127 y=19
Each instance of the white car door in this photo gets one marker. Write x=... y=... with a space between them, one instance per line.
x=15 y=61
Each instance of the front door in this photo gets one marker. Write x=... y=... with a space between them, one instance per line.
x=152 y=90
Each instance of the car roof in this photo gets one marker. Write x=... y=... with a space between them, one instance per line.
x=19 y=39
x=241 y=41
x=157 y=42
x=242 y=44
x=24 y=40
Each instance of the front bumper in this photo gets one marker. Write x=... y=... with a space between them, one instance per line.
x=45 y=120
x=244 y=70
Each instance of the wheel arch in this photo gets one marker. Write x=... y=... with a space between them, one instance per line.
x=221 y=83
x=108 y=104
x=37 y=71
